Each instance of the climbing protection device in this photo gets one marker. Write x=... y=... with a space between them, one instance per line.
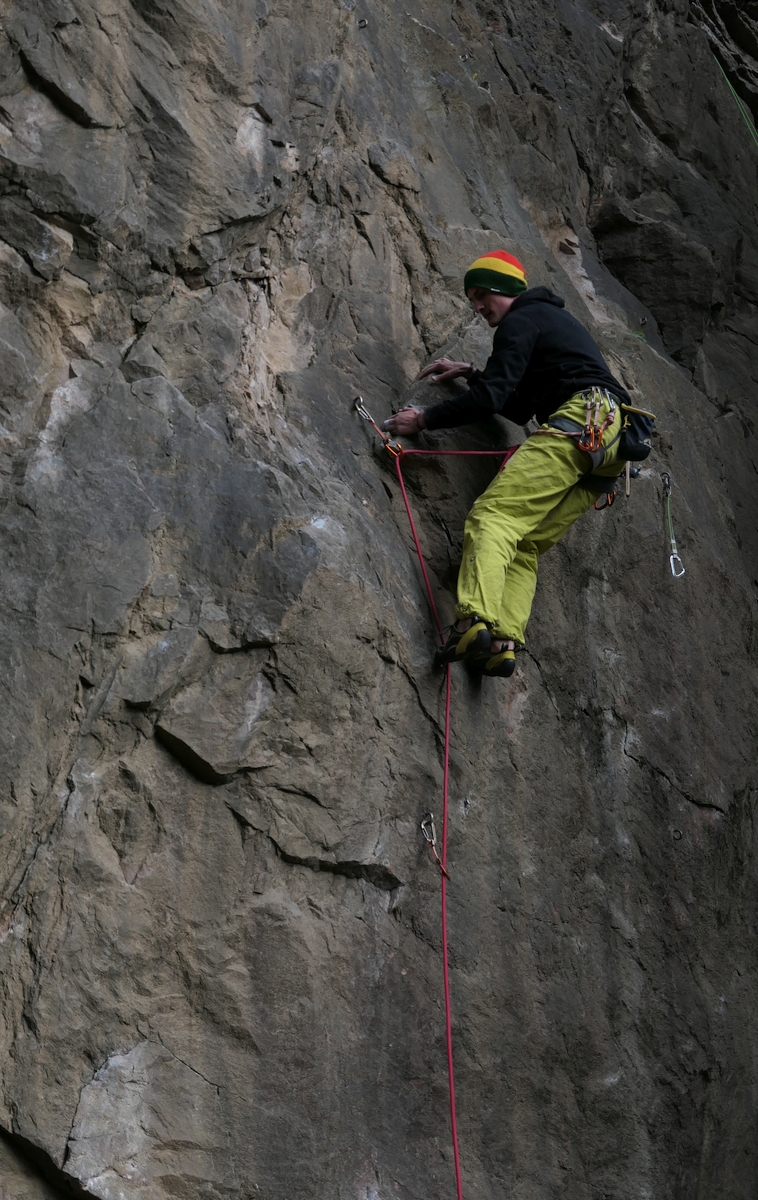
x=592 y=434
x=394 y=448
x=427 y=825
x=430 y=833
x=589 y=436
x=675 y=562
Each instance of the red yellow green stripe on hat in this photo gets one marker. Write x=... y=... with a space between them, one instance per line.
x=497 y=271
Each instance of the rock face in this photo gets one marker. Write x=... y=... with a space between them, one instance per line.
x=220 y=935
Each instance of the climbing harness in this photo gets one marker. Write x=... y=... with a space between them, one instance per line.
x=589 y=438
x=634 y=437
x=430 y=833
x=428 y=829
x=675 y=562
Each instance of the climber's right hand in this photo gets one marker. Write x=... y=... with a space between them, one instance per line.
x=408 y=421
x=442 y=370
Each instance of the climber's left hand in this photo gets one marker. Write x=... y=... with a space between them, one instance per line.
x=445 y=370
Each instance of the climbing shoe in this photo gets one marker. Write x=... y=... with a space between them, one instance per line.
x=498 y=664
x=460 y=646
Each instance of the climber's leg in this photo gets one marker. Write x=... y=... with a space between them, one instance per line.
x=534 y=482
x=521 y=575
x=521 y=582
x=518 y=592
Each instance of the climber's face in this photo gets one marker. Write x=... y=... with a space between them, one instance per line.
x=489 y=305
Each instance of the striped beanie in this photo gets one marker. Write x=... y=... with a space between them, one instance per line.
x=498 y=272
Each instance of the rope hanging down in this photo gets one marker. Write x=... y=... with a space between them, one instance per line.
x=397 y=451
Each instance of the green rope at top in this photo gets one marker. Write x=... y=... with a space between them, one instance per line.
x=672 y=539
x=741 y=105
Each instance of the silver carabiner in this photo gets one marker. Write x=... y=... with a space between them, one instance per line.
x=430 y=833
x=428 y=830
x=361 y=409
x=673 y=560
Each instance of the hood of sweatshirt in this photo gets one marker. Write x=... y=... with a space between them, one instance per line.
x=536 y=295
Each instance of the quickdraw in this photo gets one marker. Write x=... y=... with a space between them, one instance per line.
x=588 y=437
x=675 y=562
x=395 y=448
x=592 y=436
x=430 y=833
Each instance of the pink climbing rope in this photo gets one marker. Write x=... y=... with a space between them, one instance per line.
x=398 y=452
x=398 y=455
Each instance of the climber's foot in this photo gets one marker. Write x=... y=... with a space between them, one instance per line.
x=498 y=662
x=469 y=636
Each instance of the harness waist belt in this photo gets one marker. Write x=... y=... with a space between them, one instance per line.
x=566 y=425
x=573 y=429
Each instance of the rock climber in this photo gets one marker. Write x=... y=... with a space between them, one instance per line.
x=544 y=364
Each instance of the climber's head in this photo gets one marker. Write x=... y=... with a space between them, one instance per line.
x=492 y=283
x=489 y=305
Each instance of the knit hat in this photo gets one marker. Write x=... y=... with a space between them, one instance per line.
x=498 y=272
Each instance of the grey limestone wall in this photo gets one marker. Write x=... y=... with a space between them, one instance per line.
x=219 y=934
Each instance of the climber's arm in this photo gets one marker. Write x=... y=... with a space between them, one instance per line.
x=443 y=370
x=490 y=392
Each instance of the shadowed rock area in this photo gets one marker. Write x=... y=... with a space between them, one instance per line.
x=219 y=934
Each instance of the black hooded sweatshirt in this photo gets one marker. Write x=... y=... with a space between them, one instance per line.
x=540 y=357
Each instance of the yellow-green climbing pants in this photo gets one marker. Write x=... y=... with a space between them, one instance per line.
x=526 y=509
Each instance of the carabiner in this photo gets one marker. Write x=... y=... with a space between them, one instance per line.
x=673 y=560
x=428 y=830
x=430 y=833
x=362 y=411
x=590 y=440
